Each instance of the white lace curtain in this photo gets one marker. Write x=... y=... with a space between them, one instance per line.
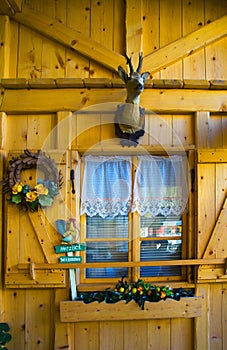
x=160 y=186
x=107 y=186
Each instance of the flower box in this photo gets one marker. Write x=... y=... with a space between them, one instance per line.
x=78 y=311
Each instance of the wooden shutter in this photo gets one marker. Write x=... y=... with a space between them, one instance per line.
x=30 y=238
x=212 y=212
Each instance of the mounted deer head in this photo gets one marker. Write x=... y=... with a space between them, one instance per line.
x=130 y=117
x=134 y=81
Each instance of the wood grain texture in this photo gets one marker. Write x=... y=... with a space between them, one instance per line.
x=78 y=311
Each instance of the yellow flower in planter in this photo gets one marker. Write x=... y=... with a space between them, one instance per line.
x=31 y=196
x=17 y=188
x=41 y=189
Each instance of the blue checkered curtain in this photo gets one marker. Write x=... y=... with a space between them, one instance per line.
x=107 y=186
x=160 y=186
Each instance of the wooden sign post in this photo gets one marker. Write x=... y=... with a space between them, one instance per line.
x=70 y=258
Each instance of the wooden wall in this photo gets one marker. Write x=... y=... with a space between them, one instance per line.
x=39 y=90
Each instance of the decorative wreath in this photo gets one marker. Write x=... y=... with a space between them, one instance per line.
x=45 y=189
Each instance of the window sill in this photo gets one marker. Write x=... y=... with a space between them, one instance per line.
x=77 y=311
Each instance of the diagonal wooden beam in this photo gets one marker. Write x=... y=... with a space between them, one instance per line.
x=185 y=46
x=217 y=246
x=69 y=37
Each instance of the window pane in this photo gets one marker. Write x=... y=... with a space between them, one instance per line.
x=106 y=252
x=160 y=246
x=109 y=227
x=160 y=226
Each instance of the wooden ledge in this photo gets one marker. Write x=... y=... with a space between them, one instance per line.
x=77 y=311
x=104 y=83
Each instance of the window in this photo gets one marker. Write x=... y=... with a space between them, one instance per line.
x=134 y=209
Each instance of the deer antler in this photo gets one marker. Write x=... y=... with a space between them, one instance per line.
x=129 y=62
x=140 y=62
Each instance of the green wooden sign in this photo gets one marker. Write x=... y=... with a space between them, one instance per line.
x=69 y=248
x=70 y=259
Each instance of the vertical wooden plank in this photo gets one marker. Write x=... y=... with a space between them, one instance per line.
x=183 y=339
x=102 y=32
x=202 y=130
x=2 y=130
x=86 y=336
x=183 y=130
x=74 y=130
x=170 y=17
x=13 y=56
x=61 y=329
x=202 y=330
x=118 y=27
x=206 y=204
x=29 y=63
x=5 y=46
x=12 y=237
x=53 y=60
x=135 y=334
x=216 y=140
x=215 y=65
x=193 y=19
x=216 y=316
x=134 y=30
x=53 y=54
x=61 y=10
x=111 y=335
x=88 y=130
x=107 y=131
x=160 y=129
x=15 y=317
x=151 y=30
x=39 y=131
x=78 y=17
x=224 y=315
x=38 y=319
x=144 y=140
x=159 y=334
x=16 y=140
x=221 y=185
x=64 y=130
x=224 y=130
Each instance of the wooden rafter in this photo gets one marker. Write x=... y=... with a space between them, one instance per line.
x=185 y=46
x=69 y=37
x=152 y=62
x=9 y=7
x=54 y=100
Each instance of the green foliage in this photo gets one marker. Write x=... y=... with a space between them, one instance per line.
x=5 y=337
x=139 y=291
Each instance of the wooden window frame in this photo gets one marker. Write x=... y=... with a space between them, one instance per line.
x=134 y=241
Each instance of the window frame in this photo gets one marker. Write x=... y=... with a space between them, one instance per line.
x=134 y=239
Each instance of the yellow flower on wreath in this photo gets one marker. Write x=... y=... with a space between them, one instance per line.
x=17 y=188
x=31 y=196
x=41 y=189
